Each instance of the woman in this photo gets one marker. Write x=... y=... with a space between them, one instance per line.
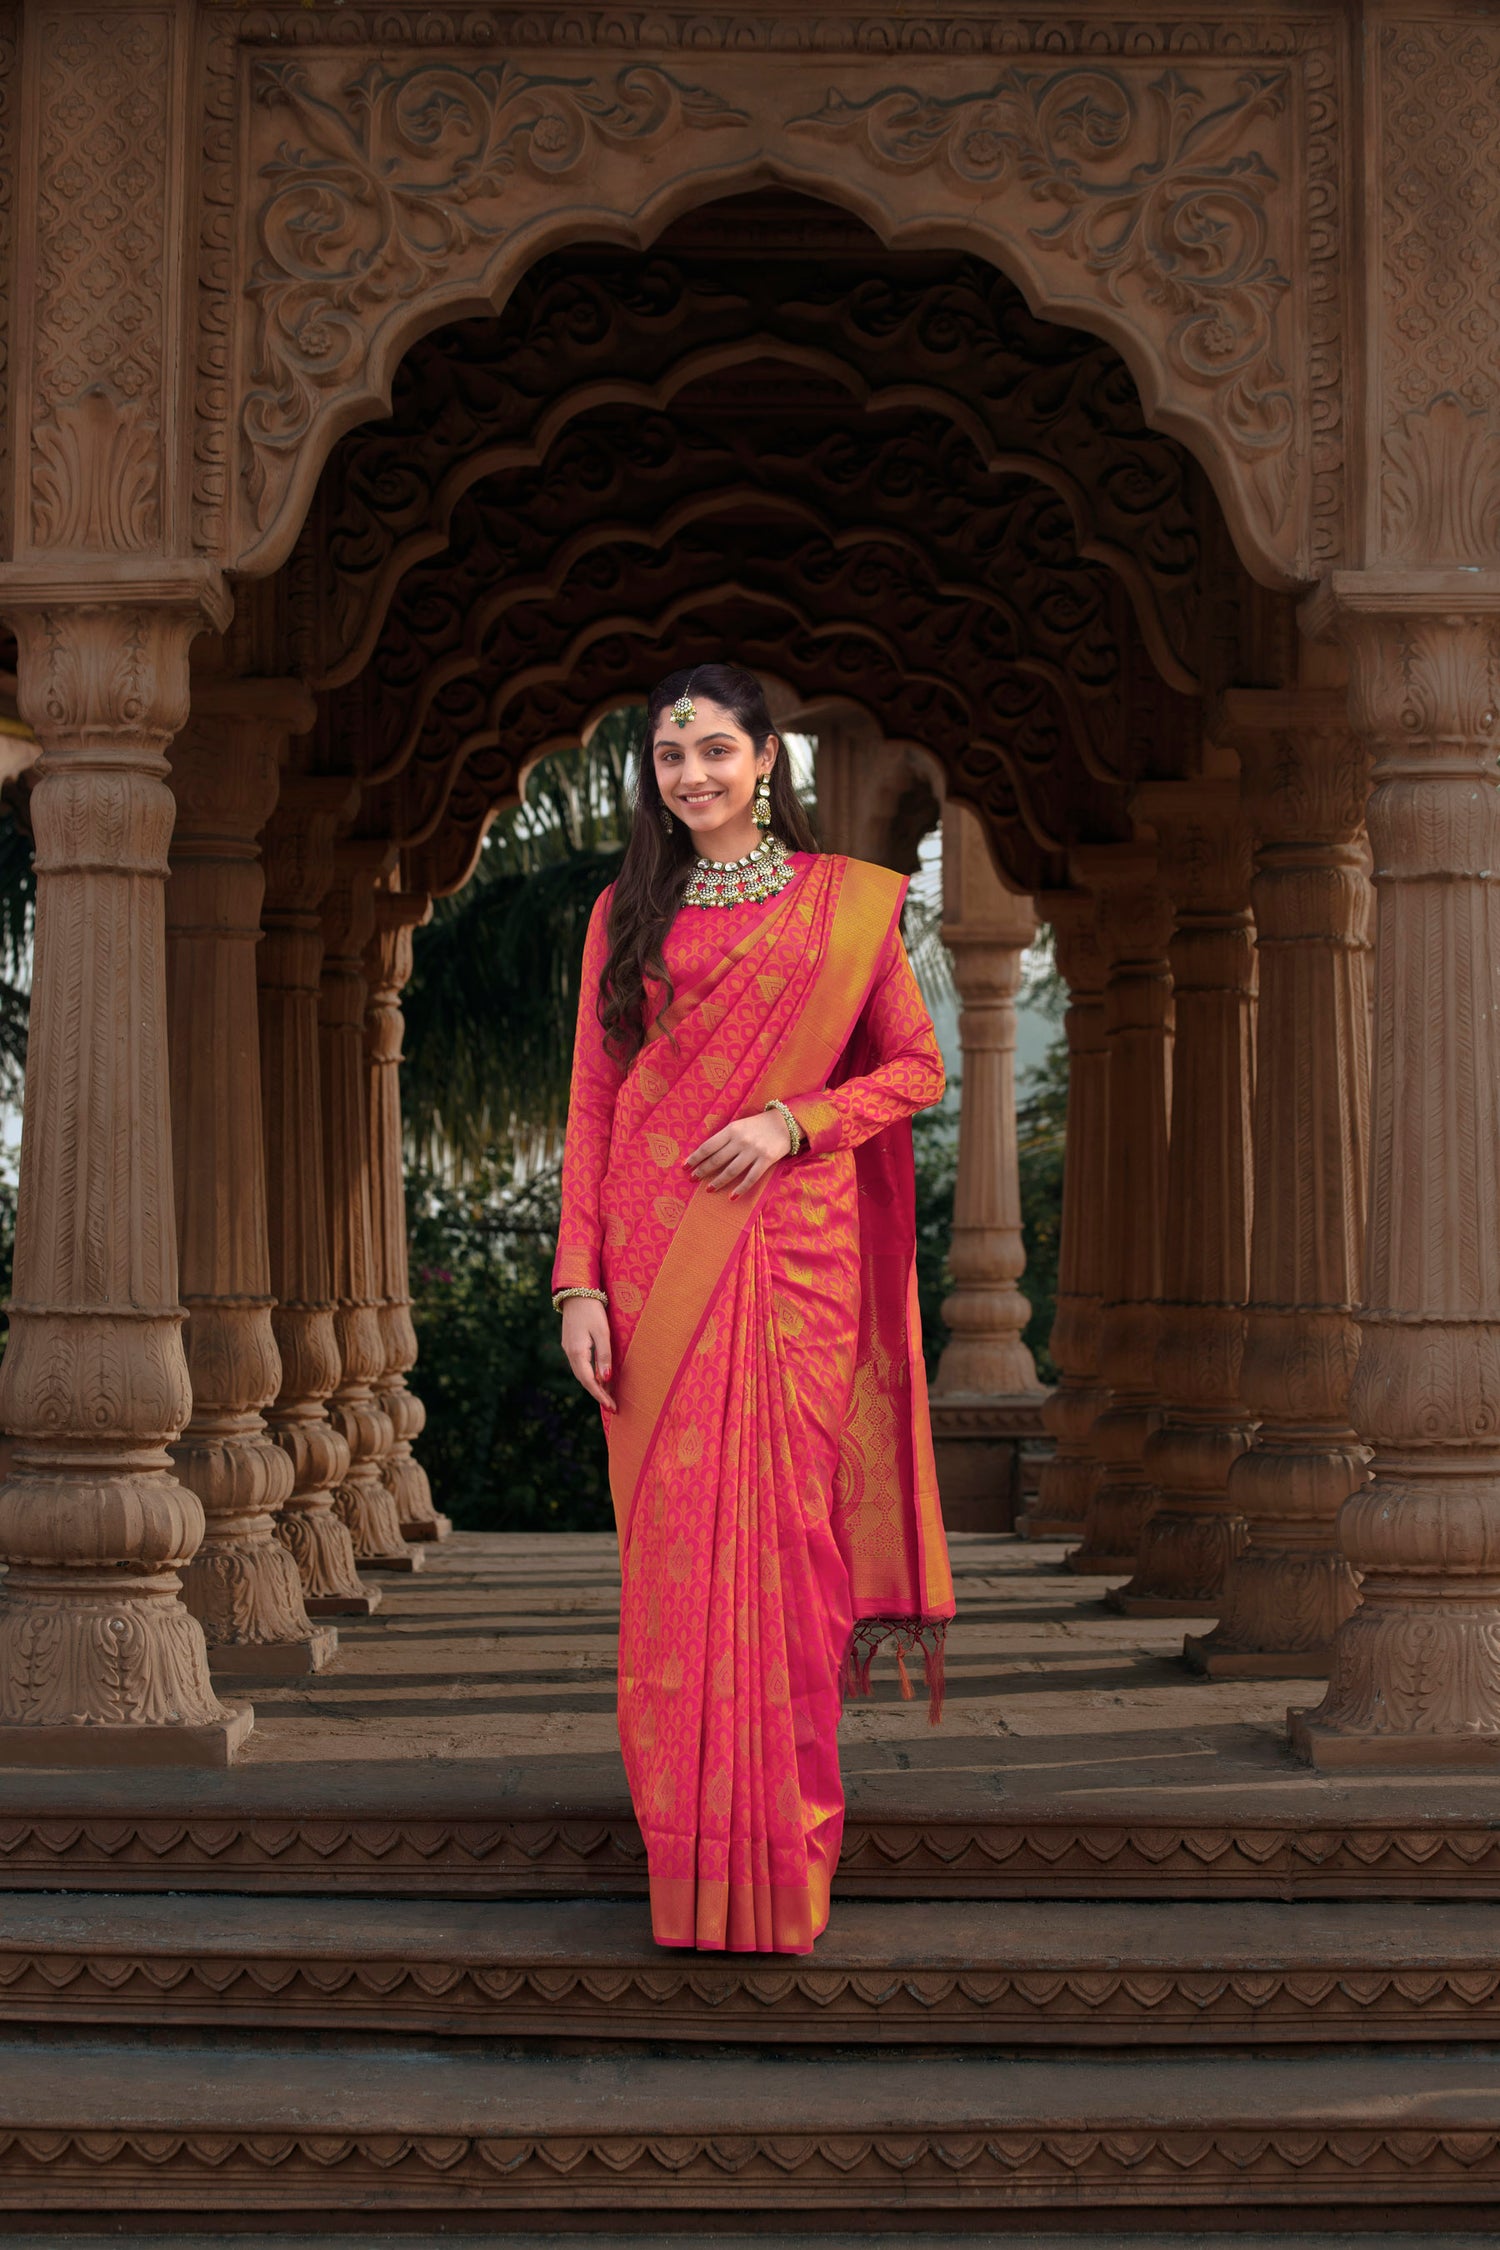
x=736 y=1280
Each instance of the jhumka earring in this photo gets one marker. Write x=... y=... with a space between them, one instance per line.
x=666 y=820
x=761 y=809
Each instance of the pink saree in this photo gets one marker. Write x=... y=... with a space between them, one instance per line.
x=770 y=1462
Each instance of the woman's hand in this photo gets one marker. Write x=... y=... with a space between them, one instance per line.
x=742 y=1153
x=585 y=1343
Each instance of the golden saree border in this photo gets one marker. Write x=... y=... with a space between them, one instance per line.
x=866 y=902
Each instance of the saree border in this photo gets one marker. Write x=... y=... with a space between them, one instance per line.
x=865 y=903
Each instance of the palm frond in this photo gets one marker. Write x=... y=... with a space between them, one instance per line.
x=932 y=963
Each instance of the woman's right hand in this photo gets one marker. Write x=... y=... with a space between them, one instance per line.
x=586 y=1347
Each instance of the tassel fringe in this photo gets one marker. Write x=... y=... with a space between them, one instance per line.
x=910 y=1636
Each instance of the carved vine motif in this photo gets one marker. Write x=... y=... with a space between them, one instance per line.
x=1160 y=191
x=98 y=367
x=392 y=182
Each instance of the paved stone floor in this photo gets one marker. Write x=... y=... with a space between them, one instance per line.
x=503 y=1649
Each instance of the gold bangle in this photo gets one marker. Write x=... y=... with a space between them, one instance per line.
x=561 y=1296
x=794 y=1130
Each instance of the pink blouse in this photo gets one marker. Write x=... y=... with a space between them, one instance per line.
x=895 y=1028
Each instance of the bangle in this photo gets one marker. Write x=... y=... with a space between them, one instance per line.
x=794 y=1130
x=561 y=1296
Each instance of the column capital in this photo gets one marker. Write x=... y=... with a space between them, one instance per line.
x=1202 y=845
x=1074 y=918
x=104 y=670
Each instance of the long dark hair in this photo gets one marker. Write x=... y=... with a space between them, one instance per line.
x=659 y=859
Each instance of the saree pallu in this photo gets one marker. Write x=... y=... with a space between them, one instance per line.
x=769 y=1461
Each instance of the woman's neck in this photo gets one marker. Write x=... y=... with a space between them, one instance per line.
x=729 y=842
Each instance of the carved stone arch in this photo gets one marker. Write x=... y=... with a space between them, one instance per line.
x=1182 y=226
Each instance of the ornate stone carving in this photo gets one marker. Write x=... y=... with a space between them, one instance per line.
x=99 y=1660
x=1203 y=856
x=1287 y=1591
x=1135 y=927
x=1068 y=1479
x=361 y=210
x=98 y=380
x=1441 y=485
x=8 y=124
x=387 y=968
x=298 y=871
x=242 y=1584
x=1415 y=1676
x=363 y=1498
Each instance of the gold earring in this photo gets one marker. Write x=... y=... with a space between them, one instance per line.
x=762 y=806
x=666 y=820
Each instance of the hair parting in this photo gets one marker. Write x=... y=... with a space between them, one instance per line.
x=659 y=859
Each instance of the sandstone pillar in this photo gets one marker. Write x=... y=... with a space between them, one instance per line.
x=100 y=1662
x=363 y=1498
x=298 y=871
x=1135 y=924
x=1415 y=1677
x=242 y=1584
x=986 y=1399
x=1074 y=1405
x=1288 y=1589
x=1190 y=1538
x=387 y=968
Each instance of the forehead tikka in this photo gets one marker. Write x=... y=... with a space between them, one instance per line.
x=684 y=710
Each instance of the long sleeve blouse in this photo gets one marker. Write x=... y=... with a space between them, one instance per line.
x=894 y=1040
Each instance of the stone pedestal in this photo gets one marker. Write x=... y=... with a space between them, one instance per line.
x=100 y=1661
x=986 y=1398
x=1135 y=925
x=1193 y=1531
x=242 y=1585
x=299 y=870
x=1073 y=1406
x=387 y=968
x=1415 y=1670
x=362 y=1498
x=1290 y=1586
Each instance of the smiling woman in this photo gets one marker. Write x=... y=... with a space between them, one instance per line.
x=736 y=1274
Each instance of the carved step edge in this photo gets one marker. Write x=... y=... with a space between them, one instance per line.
x=434 y=1855
x=216 y=2128
x=1086 y=1975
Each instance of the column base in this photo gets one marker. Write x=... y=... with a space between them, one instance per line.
x=1099 y=1566
x=1334 y=1752
x=362 y=1603
x=978 y=1439
x=274 y=1660
x=1029 y=1526
x=1155 y=1605
x=408 y=1560
x=1200 y=1655
x=428 y=1530
x=217 y=1743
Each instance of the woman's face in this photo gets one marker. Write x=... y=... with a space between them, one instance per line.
x=707 y=772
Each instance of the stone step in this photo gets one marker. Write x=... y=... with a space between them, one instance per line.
x=217 y=2127
x=960 y=1972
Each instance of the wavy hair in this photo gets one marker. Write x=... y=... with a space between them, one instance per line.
x=659 y=860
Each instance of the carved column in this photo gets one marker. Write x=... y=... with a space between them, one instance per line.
x=1135 y=925
x=242 y=1584
x=363 y=1498
x=986 y=1399
x=100 y=1662
x=1289 y=1588
x=298 y=870
x=387 y=968
x=1074 y=1405
x=1415 y=1678
x=1203 y=851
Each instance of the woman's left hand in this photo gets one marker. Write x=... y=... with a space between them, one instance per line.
x=742 y=1153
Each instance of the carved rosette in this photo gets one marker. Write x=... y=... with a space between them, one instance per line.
x=1203 y=848
x=95 y=1646
x=1073 y=1406
x=1135 y=928
x=242 y=1585
x=1415 y=1677
x=388 y=961
x=363 y=1499
x=298 y=854
x=1304 y=790
x=986 y=929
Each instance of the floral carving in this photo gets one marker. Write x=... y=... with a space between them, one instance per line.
x=94 y=474
x=1163 y=191
x=398 y=178
x=1441 y=485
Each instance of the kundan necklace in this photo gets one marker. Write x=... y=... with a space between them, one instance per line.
x=734 y=882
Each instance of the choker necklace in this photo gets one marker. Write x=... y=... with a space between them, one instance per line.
x=734 y=882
